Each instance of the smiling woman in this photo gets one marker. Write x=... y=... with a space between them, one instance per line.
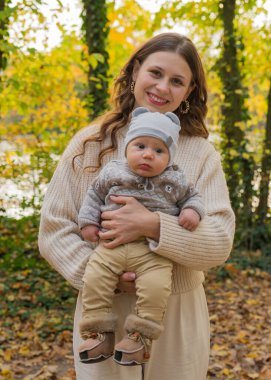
x=162 y=74
x=165 y=75
x=162 y=81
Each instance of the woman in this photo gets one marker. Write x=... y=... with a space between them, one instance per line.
x=164 y=75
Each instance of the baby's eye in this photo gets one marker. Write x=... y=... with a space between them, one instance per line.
x=141 y=146
x=159 y=150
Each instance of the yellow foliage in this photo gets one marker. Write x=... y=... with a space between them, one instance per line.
x=226 y=371
x=7 y=355
x=233 y=153
x=41 y=101
x=24 y=350
x=246 y=155
x=129 y=24
x=6 y=373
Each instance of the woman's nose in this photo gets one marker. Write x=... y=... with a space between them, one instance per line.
x=163 y=85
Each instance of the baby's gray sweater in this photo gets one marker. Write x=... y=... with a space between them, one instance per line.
x=169 y=192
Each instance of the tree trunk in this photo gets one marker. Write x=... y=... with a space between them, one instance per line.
x=3 y=35
x=262 y=209
x=239 y=167
x=96 y=30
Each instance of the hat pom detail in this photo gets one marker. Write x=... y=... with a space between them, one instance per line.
x=173 y=117
x=139 y=111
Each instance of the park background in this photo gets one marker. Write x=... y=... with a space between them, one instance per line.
x=57 y=65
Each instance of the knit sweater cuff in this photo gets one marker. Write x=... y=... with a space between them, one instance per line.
x=165 y=239
x=206 y=247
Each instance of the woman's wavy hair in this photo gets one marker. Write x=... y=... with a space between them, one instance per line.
x=193 y=122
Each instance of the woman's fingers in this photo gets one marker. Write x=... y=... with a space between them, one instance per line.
x=128 y=223
x=128 y=276
x=127 y=282
x=112 y=243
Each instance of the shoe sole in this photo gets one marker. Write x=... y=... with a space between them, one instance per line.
x=98 y=359
x=130 y=364
x=118 y=356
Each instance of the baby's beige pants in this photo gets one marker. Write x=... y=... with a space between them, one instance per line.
x=153 y=280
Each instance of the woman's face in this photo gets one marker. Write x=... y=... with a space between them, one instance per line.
x=162 y=81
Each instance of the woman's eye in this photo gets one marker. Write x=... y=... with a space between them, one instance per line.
x=177 y=82
x=155 y=73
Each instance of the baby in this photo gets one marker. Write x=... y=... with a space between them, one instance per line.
x=147 y=174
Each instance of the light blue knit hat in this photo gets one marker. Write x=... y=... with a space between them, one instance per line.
x=165 y=127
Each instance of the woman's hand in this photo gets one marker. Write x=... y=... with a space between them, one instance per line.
x=126 y=283
x=129 y=223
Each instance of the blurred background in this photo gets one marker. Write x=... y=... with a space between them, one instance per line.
x=58 y=60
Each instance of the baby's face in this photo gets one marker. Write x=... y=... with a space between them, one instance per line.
x=147 y=156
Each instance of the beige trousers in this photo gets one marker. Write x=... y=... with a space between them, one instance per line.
x=153 y=280
x=180 y=353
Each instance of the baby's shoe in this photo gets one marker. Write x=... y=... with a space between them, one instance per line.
x=97 y=347
x=133 y=349
x=98 y=333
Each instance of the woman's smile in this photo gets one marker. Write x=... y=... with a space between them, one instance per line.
x=155 y=99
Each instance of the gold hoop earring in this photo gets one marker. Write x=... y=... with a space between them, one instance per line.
x=132 y=87
x=187 y=107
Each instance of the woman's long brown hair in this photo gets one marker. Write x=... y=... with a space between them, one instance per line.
x=193 y=123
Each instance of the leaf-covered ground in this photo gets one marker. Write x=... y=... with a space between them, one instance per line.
x=240 y=314
x=36 y=325
x=36 y=312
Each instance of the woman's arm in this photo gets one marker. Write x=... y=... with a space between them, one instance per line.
x=60 y=242
x=211 y=243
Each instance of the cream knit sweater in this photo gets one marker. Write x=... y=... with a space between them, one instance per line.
x=60 y=242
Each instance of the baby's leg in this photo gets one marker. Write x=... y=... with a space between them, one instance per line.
x=98 y=324
x=153 y=284
x=100 y=280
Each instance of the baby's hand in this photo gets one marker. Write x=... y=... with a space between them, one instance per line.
x=189 y=219
x=91 y=233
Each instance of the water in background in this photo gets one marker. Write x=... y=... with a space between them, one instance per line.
x=15 y=197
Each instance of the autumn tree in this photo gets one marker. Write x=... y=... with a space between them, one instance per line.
x=239 y=164
x=3 y=31
x=256 y=37
x=95 y=29
x=5 y=12
x=260 y=69
x=262 y=210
